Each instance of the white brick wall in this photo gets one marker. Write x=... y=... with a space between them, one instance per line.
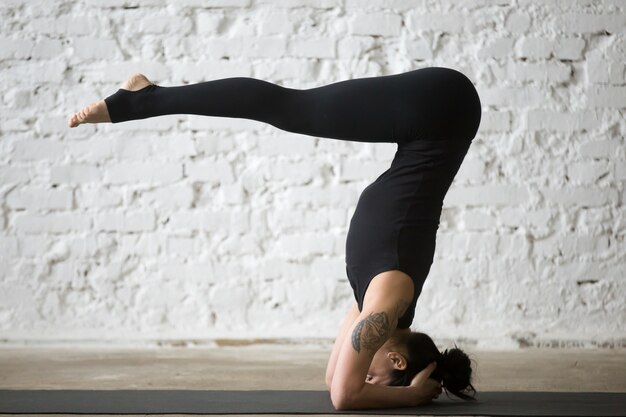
x=199 y=228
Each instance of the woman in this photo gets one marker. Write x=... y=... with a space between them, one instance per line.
x=432 y=114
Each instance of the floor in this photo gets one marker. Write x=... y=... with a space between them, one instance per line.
x=269 y=366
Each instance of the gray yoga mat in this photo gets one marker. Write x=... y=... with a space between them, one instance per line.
x=499 y=403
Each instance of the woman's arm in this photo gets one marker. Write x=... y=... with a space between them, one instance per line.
x=352 y=314
x=386 y=296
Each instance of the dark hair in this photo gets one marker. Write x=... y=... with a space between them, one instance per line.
x=453 y=366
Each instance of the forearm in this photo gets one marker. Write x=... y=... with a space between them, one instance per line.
x=383 y=396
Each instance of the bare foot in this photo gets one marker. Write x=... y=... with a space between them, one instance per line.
x=97 y=112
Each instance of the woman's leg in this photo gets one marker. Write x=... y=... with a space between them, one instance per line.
x=428 y=104
x=357 y=110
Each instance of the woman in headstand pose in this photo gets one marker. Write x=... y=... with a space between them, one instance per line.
x=433 y=115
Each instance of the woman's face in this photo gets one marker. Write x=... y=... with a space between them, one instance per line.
x=383 y=362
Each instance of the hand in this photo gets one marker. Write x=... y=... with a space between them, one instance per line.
x=426 y=388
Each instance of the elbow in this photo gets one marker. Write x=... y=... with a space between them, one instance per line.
x=342 y=400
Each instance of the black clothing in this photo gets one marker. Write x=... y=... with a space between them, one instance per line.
x=431 y=113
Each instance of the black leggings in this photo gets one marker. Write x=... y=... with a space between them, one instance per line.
x=428 y=103
x=431 y=113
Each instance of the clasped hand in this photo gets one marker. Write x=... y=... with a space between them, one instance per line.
x=426 y=388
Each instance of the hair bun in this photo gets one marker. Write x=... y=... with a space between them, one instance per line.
x=456 y=371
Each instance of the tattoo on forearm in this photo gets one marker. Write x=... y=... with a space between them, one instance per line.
x=370 y=332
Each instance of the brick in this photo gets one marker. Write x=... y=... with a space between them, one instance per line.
x=321 y=4
x=607 y=148
x=353 y=46
x=418 y=49
x=265 y=48
x=230 y=194
x=209 y=22
x=276 y=22
x=8 y=249
x=55 y=223
x=196 y=71
x=38 y=149
x=316 y=196
x=324 y=267
x=17 y=98
x=35 y=198
x=514 y=245
x=172 y=196
x=477 y=220
x=74 y=174
x=358 y=170
x=90 y=151
x=215 y=3
x=470 y=245
x=312 y=48
x=556 y=72
x=581 y=270
x=604 y=71
x=16 y=175
x=98 y=197
x=47 y=49
x=516 y=217
x=301 y=172
x=144 y=244
x=181 y=245
x=152 y=173
x=479 y=195
x=93 y=48
x=593 y=220
x=381 y=4
x=116 y=71
x=165 y=24
x=210 y=171
x=517 y=22
x=451 y=22
x=512 y=96
x=52 y=125
x=16 y=48
x=587 y=172
x=50 y=71
x=497 y=48
x=214 y=221
x=590 y=23
x=561 y=121
x=288 y=145
x=68 y=25
x=471 y=170
x=134 y=221
x=196 y=273
x=293 y=220
x=569 y=48
x=581 y=196
x=15 y=295
x=294 y=70
x=301 y=245
x=495 y=121
x=534 y=47
x=576 y=246
x=376 y=23
x=137 y=148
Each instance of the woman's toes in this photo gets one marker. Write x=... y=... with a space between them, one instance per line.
x=94 y=113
